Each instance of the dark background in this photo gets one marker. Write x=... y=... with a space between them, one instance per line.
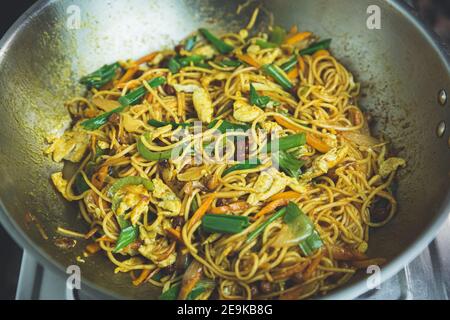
x=435 y=12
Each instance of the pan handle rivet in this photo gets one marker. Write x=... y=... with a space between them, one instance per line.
x=442 y=97
x=440 y=129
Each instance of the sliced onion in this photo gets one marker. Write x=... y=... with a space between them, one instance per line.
x=105 y=104
x=360 y=139
x=191 y=277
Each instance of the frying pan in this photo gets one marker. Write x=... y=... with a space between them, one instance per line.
x=401 y=66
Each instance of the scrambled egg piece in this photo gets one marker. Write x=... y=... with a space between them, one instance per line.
x=166 y=198
x=153 y=249
x=128 y=264
x=271 y=126
x=70 y=146
x=136 y=198
x=203 y=105
x=130 y=124
x=269 y=183
x=245 y=112
x=207 y=51
x=323 y=163
x=60 y=183
x=189 y=88
x=390 y=165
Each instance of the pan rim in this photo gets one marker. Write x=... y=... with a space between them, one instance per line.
x=345 y=293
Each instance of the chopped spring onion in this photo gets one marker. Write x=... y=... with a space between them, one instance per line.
x=264 y=225
x=173 y=65
x=288 y=142
x=126 y=181
x=290 y=64
x=278 y=75
x=128 y=235
x=265 y=44
x=190 y=43
x=136 y=95
x=277 y=35
x=301 y=230
x=230 y=63
x=289 y=164
x=224 y=223
x=219 y=44
x=321 y=45
x=100 y=77
x=256 y=99
x=200 y=287
x=159 y=124
x=154 y=155
x=228 y=126
x=246 y=165
x=311 y=244
x=129 y=99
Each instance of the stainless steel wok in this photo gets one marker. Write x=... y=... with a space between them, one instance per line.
x=401 y=66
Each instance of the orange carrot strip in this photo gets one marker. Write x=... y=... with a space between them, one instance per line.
x=312 y=140
x=248 y=60
x=174 y=233
x=301 y=64
x=105 y=239
x=316 y=143
x=321 y=52
x=300 y=36
x=285 y=195
x=293 y=73
x=272 y=206
x=128 y=74
x=232 y=207
x=312 y=267
x=201 y=211
x=92 y=248
x=142 y=277
x=147 y=58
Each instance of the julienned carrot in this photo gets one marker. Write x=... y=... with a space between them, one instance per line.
x=300 y=36
x=128 y=74
x=92 y=248
x=312 y=267
x=293 y=73
x=105 y=239
x=142 y=277
x=201 y=211
x=248 y=60
x=285 y=195
x=272 y=206
x=320 y=53
x=301 y=64
x=174 y=233
x=231 y=208
x=311 y=140
x=147 y=58
x=316 y=143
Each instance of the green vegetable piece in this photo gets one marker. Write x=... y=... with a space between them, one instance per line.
x=220 y=45
x=321 y=45
x=159 y=124
x=230 y=63
x=290 y=64
x=224 y=223
x=100 y=77
x=256 y=99
x=190 y=43
x=152 y=155
x=228 y=126
x=277 y=35
x=254 y=234
x=278 y=75
x=246 y=165
x=265 y=44
x=289 y=164
x=127 y=236
x=288 y=142
x=126 y=181
x=173 y=65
